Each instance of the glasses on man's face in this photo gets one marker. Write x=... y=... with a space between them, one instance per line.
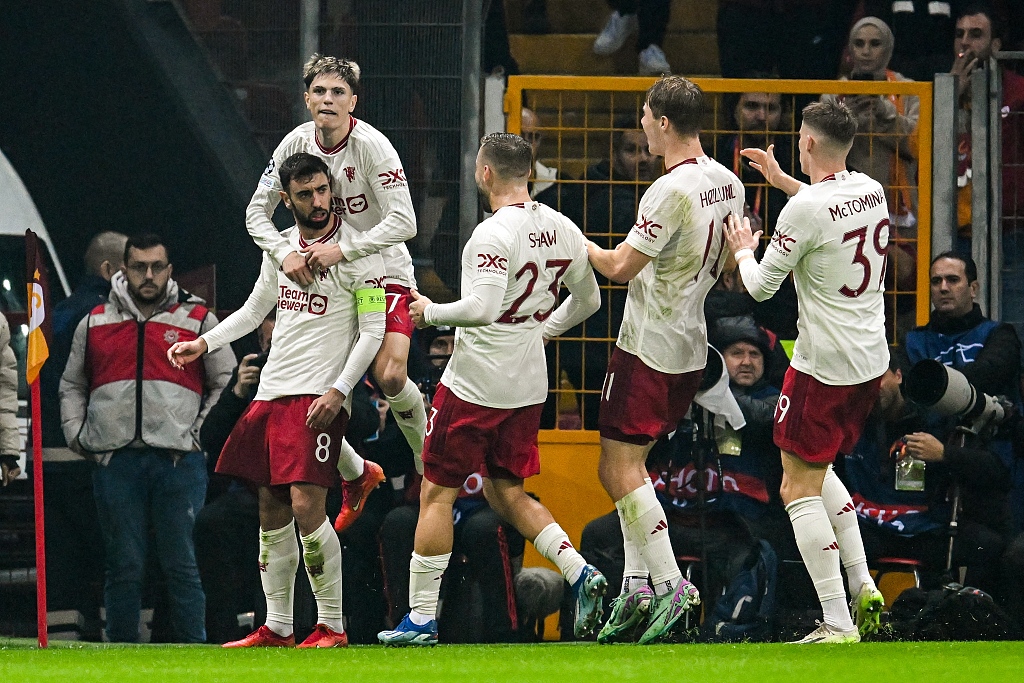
x=142 y=269
x=531 y=136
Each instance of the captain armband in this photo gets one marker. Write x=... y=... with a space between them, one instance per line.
x=370 y=301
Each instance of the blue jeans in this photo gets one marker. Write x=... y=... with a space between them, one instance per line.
x=141 y=489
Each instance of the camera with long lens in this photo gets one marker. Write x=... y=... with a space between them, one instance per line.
x=948 y=392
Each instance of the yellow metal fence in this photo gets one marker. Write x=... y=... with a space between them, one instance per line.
x=582 y=126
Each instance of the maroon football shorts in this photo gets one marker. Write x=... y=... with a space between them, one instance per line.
x=398 y=300
x=640 y=404
x=272 y=446
x=462 y=436
x=816 y=422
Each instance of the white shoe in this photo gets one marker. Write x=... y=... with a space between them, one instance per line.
x=614 y=34
x=653 y=61
x=827 y=634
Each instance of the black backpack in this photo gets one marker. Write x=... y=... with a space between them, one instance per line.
x=949 y=613
x=746 y=609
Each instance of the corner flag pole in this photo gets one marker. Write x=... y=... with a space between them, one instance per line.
x=38 y=352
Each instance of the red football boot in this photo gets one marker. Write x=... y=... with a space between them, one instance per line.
x=354 y=493
x=324 y=636
x=263 y=637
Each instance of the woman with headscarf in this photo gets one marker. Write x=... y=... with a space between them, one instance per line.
x=886 y=144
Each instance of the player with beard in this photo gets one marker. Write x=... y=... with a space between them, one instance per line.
x=371 y=192
x=288 y=440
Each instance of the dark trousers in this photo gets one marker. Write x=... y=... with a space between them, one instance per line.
x=652 y=18
x=477 y=590
x=227 y=551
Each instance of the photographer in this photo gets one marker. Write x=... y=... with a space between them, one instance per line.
x=960 y=336
x=985 y=351
x=901 y=476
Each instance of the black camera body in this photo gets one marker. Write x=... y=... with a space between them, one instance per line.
x=260 y=360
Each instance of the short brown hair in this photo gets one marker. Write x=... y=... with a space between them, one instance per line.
x=301 y=166
x=345 y=69
x=834 y=119
x=679 y=100
x=509 y=155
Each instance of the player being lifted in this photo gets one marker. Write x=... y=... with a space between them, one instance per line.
x=671 y=259
x=288 y=439
x=371 y=192
x=488 y=404
x=833 y=235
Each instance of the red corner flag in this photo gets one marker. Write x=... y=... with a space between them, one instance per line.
x=38 y=352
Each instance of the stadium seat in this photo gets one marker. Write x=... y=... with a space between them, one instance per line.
x=893 y=575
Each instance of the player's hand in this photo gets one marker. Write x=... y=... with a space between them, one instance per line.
x=8 y=474
x=924 y=446
x=322 y=256
x=296 y=270
x=324 y=409
x=738 y=235
x=963 y=66
x=248 y=376
x=764 y=161
x=182 y=353
x=417 y=308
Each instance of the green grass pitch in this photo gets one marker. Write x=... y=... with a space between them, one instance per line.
x=20 y=661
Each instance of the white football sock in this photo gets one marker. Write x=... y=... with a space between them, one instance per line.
x=645 y=525
x=634 y=571
x=321 y=552
x=820 y=552
x=410 y=415
x=279 y=559
x=843 y=516
x=425 y=575
x=554 y=546
x=350 y=463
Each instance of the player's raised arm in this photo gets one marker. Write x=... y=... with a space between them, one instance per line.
x=764 y=161
x=762 y=279
x=620 y=265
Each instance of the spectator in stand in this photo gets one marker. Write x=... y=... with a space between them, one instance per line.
x=806 y=37
x=145 y=433
x=977 y=36
x=543 y=185
x=604 y=205
x=648 y=19
x=756 y=117
x=741 y=479
x=901 y=476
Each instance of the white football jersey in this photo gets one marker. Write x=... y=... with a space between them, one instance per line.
x=317 y=327
x=528 y=249
x=680 y=224
x=370 y=193
x=834 y=235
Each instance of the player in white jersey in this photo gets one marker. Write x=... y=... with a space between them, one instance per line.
x=288 y=439
x=371 y=193
x=671 y=259
x=488 y=403
x=833 y=235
